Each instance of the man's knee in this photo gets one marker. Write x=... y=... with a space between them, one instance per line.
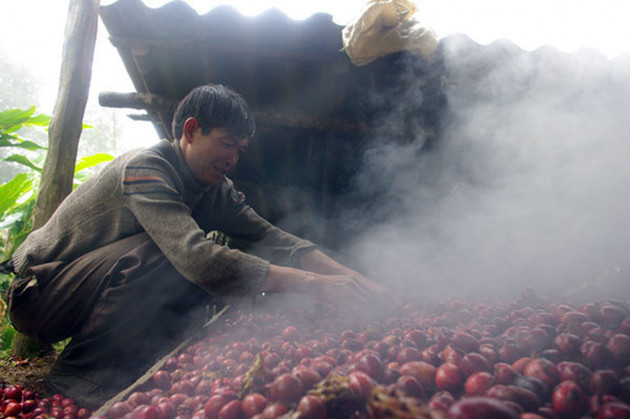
x=21 y=297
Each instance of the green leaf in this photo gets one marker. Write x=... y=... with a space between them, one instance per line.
x=79 y=178
x=12 y=116
x=31 y=145
x=8 y=140
x=12 y=120
x=19 y=216
x=11 y=191
x=91 y=161
x=6 y=336
x=17 y=158
x=40 y=120
x=25 y=144
x=5 y=281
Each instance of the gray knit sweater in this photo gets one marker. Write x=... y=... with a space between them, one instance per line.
x=153 y=191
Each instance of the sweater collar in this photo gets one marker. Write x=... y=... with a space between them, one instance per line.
x=189 y=180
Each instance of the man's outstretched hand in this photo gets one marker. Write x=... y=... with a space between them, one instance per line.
x=354 y=292
x=348 y=291
x=331 y=282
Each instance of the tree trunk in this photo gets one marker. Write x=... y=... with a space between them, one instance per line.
x=65 y=126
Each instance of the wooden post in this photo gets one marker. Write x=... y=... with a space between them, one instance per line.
x=66 y=123
x=67 y=119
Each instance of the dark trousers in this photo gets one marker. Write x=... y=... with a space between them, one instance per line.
x=124 y=305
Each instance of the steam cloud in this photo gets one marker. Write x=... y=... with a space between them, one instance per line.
x=528 y=185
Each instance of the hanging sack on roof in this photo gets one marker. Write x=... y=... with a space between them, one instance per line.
x=385 y=27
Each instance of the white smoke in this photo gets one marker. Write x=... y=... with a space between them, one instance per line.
x=528 y=185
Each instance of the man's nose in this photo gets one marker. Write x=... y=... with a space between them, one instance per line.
x=233 y=158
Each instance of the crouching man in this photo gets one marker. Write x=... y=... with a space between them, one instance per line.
x=124 y=266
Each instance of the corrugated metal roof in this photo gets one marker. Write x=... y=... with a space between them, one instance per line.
x=282 y=66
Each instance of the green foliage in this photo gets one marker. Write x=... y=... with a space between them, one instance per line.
x=12 y=120
x=18 y=195
x=82 y=168
x=12 y=190
x=6 y=337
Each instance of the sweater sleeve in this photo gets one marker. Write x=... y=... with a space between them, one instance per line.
x=250 y=232
x=153 y=193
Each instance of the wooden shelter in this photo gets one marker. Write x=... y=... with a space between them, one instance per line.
x=314 y=109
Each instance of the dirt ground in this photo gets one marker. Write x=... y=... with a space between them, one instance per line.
x=29 y=373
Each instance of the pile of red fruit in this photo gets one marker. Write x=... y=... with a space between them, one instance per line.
x=17 y=402
x=527 y=358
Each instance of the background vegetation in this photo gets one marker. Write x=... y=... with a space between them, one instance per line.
x=23 y=140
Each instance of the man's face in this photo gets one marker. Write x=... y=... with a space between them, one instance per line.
x=211 y=156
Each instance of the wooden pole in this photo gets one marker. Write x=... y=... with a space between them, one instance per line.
x=147 y=101
x=67 y=119
x=270 y=116
x=65 y=126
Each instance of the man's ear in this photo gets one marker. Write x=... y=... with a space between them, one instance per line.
x=190 y=126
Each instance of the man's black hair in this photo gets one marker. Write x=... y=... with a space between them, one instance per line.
x=215 y=106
